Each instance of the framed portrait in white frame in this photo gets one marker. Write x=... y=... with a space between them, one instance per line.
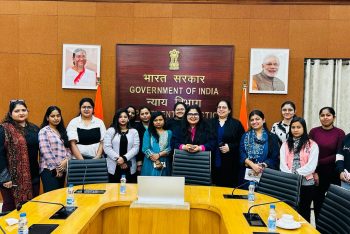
x=269 y=71
x=80 y=66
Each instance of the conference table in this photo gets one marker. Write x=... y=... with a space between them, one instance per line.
x=111 y=212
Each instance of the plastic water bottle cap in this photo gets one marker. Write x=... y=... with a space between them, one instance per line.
x=70 y=185
x=123 y=176
x=23 y=214
x=252 y=183
x=272 y=206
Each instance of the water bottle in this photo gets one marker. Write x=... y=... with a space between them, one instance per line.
x=251 y=193
x=70 y=197
x=122 y=185
x=22 y=224
x=271 y=221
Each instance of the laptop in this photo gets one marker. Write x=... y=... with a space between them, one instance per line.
x=161 y=190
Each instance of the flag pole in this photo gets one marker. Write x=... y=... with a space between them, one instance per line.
x=243 y=111
x=98 y=111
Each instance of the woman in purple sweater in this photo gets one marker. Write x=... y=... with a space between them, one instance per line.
x=329 y=140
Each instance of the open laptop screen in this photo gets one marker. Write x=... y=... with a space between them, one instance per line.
x=161 y=189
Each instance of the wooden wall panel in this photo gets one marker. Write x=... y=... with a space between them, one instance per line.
x=117 y=10
x=309 y=38
x=188 y=31
x=37 y=72
x=77 y=8
x=231 y=11
x=37 y=34
x=153 y=10
x=278 y=12
x=309 y=12
x=339 y=39
x=9 y=7
x=76 y=30
x=34 y=31
x=9 y=79
x=38 y=8
x=231 y=32
x=152 y=31
x=267 y=33
x=112 y=31
x=8 y=27
x=339 y=12
x=192 y=11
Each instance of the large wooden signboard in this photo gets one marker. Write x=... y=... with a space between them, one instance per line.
x=158 y=76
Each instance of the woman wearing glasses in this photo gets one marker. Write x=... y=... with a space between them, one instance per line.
x=228 y=132
x=19 y=168
x=194 y=134
x=86 y=132
x=54 y=149
x=281 y=129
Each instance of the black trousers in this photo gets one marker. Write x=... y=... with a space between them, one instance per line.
x=118 y=175
x=306 y=196
x=322 y=188
x=51 y=182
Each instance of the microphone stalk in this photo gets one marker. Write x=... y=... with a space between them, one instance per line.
x=254 y=219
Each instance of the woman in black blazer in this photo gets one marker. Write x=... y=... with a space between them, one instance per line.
x=194 y=135
x=228 y=132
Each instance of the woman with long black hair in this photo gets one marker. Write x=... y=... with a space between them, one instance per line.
x=329 y=139
x=299 y=155
x=121 y=145
x=141 y=127
x=156 y=147
x=54 y=149
x=19 y=146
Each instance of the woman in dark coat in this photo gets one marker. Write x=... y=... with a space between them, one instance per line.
x=194 y=134
x=228 y=132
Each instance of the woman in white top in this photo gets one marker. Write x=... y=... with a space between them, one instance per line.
x=86 y=132
x=281 y=128
x=121 y=144
x=299 y=155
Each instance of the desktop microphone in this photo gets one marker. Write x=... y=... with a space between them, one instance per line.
x=254 y=219
x=88 y=191
x=62 y=213
x=2 y=230
x=232 y=196
x=83 y=188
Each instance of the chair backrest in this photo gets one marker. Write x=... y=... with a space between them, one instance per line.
x=195 y=167
x=281 y=185
x=334 y=216
x=96 y=171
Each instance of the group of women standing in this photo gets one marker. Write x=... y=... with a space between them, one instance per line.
x=145 y=147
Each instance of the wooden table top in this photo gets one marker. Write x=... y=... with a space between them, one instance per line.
x=199 y=197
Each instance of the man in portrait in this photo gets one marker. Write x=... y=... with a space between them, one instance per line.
x=266 y=80
x=78 y=75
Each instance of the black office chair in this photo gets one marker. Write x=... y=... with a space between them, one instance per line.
x=195 y=167
x=95 y=171
x=335 y=212
x=281 y=185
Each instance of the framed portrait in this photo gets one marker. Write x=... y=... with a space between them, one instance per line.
x=269 y=71
x=80 y=66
